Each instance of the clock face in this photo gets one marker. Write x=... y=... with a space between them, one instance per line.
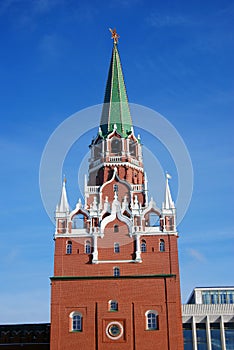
x=114 y=330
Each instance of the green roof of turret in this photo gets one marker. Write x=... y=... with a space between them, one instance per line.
x=116 y=109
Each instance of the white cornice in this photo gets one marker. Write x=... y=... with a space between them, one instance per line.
x=73 y=235
x=159 y=233
x=115 y=261
x=130 y=165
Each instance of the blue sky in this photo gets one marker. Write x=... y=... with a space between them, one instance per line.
x=177 y=59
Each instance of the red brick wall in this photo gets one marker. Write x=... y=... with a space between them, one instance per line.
x=135 y=296
x=153 y=261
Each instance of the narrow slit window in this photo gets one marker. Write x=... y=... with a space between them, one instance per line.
x=143 y=246
x=69 y=247
x=87 y=247
x=116 y=272
x=162 y=245
x=116 y=248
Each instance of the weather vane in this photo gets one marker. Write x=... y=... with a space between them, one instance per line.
x=114 y=36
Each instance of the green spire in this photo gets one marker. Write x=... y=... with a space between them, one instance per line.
x=116 y=109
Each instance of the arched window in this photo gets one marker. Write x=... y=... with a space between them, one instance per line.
x=113 y=305
x=116 y=228
x=69 y=247
x=116 y=248
x=76 y=321
x=97 y=150
x=78 y=221
x=87 y=247
x=132 y=147
x=153 y=219
x=143 y=246
x=116 y=145
x=162 y=245
x=151 y=320
x=116 y=272
x=61 y=226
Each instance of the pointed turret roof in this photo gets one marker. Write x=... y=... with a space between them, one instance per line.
x=168 y=202
x=63 y=205
x=116 y=109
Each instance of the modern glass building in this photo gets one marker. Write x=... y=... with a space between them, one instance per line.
x=208 y=319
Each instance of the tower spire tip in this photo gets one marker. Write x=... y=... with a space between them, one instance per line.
x=64 y=179
x=114 y=35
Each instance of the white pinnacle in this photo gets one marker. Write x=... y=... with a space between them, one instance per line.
x=63 y=205
x=168 y=202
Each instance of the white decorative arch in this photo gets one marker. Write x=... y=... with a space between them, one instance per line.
x=74 y=313
x=152 y=208
x=151 y=311
x=132 y=136
x=79 y=210
x=116 y=214
x=115 y=175
x=114 y=133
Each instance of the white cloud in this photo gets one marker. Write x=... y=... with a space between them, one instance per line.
x=25 y=14
x=49 y=45
x=124 y=3
x=11 y=256
x=216 y=236
x=157 y=20
x=52 y=48
x=32 y=7
x=25 y=307
x=196 y=255
x=43 y=6
x=6 y=5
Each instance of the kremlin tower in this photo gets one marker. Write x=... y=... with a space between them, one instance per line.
x=116 y=282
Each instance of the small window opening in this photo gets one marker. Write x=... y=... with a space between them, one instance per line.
x=151 y=320
x=77 y=322
x=116 y=248
x=143 y=246
x=116 y=272
x=162 y=245
x=69 y=247
x=87 y=247
x=113 y=305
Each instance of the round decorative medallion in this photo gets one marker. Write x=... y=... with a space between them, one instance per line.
x=114 y=330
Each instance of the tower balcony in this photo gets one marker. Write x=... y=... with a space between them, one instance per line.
x=147 y=229
x=115 y=159
x=89 y=230
x=92 y=189
x=134 y=161
x=137 y=188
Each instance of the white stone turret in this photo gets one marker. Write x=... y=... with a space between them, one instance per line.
x=63 y=206
x=62 y=211
x=168 y=202
x=168 y=209
x=146 y=190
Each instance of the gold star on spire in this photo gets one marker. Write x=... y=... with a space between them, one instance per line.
x=114 y=36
